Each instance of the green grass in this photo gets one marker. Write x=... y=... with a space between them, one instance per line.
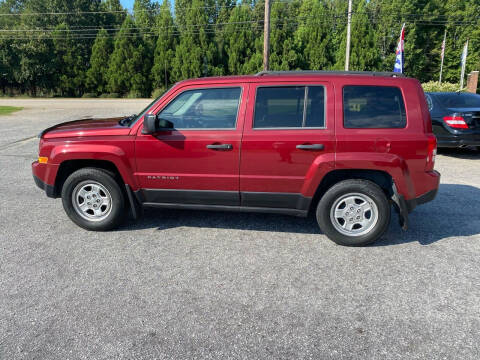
x=6 y=110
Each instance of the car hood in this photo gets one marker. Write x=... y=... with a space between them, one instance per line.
x=86 y=127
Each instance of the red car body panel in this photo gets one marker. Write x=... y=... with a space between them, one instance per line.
x=400 y=152
x=270 y=160
x=261 y=160
x=179 y=159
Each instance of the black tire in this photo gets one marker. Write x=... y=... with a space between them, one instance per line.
x=107 y=180
x=340 y=190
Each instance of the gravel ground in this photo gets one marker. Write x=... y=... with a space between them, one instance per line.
x=192 y=284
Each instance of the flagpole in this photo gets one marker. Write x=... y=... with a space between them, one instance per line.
x=443 y=55
x=464 y=63
x=347 y=48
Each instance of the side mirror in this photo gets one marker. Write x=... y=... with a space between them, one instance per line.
x=164 y=124
x=152 y=124
x=149 y=124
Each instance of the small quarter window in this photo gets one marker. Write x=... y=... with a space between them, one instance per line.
x=315 y=116
x=204 y=109
x=373 y=107
x=290 y=107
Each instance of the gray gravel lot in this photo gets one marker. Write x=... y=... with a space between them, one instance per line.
x=191 y=284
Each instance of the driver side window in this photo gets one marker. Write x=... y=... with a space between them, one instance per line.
x=213 y=108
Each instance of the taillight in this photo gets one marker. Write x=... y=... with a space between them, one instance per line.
x=431 y=153
x=456 y=122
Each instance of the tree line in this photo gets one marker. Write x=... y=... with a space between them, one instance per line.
x=98 y=48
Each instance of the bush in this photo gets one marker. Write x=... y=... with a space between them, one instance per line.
x=133 y=94
x=110 y=96
x=434 y=86
x=158 y=92
x=89 y=95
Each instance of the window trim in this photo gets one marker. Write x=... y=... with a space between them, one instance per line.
x=306 y=86
x=369 y=128
x=240 y=86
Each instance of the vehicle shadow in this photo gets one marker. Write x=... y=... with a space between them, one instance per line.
x=460 y=153
x=451 y=214
x=164 y=219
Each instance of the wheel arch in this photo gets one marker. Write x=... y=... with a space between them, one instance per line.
x=382 y=178
x=68 y=167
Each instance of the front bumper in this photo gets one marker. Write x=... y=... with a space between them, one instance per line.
x=42 y=171
x=49 y=189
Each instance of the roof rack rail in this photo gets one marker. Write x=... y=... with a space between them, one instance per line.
x=330 y=72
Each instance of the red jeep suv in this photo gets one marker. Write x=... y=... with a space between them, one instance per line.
x=345 y=145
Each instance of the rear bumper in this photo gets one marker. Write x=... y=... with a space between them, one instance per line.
x=404 y=207
x=413 y=203
x=458 y=141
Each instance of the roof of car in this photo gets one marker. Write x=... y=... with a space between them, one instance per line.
x=449 y=93
x=264 y=75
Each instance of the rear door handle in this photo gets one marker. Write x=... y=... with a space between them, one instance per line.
x=220 y=146
x=310 y=147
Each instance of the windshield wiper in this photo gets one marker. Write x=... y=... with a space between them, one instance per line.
x=126 y=121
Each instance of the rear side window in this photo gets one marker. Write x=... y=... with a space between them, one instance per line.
x=290 y=107
x=373 y=107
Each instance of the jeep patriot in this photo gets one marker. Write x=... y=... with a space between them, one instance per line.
x=346 y=146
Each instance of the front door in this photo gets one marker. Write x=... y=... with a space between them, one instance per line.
x=197 y=162
x=288 y=144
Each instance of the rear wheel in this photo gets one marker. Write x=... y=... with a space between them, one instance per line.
x=354 y=212
x=93 y=199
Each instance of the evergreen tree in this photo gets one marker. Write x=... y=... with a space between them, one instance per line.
x=127 y=67
x=113 y=14
x=225 y=8
x=144 y=16
x=312 y=38
x=71 y=80
x=96 y=80
x=254 y=63
x=9 y=52
x=239 y=40
x=164 y=49
x=65 y=54
x=364 y=54
x=35 y=51
x=465 y=11
x=283 y=55
x=196 y=51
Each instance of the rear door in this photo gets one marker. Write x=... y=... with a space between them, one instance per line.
x=197 y=162
x=288 y=143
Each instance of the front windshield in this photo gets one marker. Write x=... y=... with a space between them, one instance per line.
x=459 y=100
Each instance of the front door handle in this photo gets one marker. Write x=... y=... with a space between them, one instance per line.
x=220 y=146
x=310 y=147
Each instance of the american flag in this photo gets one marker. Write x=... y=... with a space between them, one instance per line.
x=443 y=46
x=399 y=60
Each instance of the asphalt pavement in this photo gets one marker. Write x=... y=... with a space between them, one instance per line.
x=213 y=285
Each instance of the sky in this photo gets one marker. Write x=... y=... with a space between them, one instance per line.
x=129 y=3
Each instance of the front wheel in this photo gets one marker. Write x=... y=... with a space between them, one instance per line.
x=354 y=212
x=93 y=199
